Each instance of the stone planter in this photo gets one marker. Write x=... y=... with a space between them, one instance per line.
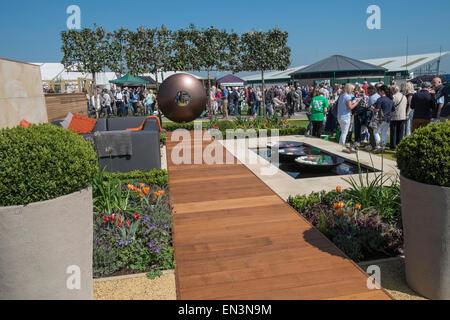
x=426 y=224
x=43 y=244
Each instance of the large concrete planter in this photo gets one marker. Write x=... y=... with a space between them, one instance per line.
x=40 y=242
x=426 y=224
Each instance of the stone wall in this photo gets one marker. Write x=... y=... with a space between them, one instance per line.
x=21 y=94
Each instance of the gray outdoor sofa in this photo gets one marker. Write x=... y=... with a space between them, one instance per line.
x=146 y=153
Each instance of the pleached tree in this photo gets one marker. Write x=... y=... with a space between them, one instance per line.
x=264 y=51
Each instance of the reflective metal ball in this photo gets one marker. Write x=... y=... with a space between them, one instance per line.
x=182 y=98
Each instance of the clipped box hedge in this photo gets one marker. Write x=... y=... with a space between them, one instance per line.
x=43 y=162
x=424 y=156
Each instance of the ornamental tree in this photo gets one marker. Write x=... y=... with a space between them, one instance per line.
x=264 y=51
x=118 y=44
x=85 y=51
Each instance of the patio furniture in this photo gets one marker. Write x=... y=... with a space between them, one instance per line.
x=145 y=153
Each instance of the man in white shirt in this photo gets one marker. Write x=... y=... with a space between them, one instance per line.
x=107 y=102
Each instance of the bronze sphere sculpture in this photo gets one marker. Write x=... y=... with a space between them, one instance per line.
x=182 y=98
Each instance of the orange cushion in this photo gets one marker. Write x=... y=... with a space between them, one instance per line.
x=143 y=123
x=82 y=124
x=24 y=123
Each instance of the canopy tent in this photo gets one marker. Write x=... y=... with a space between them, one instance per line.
x=231 y=80
x=149 y=79
x=338 y=66
x=129 y=81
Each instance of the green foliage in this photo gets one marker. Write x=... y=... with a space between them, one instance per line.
x=265 y=50
x=149 y=50
x=108 y=195
x=155 y=177
x=138 y=238
x=154 y=273
x=118 y=49
x=424 y=156
x=366 y=233
x=302 y=202
x=43 y=162
x=162 y=138
x=85 y=50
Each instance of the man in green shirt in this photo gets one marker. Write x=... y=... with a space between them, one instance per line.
x=317 y=110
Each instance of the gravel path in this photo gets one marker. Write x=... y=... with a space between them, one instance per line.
x=136 y=287
x=393 y=278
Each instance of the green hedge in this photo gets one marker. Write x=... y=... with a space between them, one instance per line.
x=155 y=177
x=43 y=162
x=424 y=156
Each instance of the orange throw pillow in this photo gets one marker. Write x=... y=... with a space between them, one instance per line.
x=82 y=124
x=24 y=123
x=143 y=123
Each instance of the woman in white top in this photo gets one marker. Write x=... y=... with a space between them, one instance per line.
x=408 y=91
x=398 y=117
x=346 y=104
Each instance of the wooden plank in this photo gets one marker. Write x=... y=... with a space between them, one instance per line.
x=59 y=105
x=234 y=238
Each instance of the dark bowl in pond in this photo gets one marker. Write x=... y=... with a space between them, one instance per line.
x=290 y=154
x=318 y=163
x=285 y=144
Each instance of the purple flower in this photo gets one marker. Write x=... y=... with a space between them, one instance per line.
x=153 y=226
x=121 y=243
x=146 y=219
x=157 y=250
x=165 y=225
x=150 y=244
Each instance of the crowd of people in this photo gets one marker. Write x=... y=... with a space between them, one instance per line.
x=283 y=100
x=359 y=112
x=370 y=112
x=122 y=102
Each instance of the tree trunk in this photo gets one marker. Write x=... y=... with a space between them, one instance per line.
x=94 y=90
x=156 y=94
x=263 y=102
x=209 y=93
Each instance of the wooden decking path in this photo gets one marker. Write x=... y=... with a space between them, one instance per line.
x=234 y=238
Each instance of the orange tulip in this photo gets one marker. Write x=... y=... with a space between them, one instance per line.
x=358 y=206
x=350 y=213
x=341 y=204
x=138 y=190
x=340 y=212
x=339 y=189
x=130 y=186
x=141 y=195
x=336 y=205
x=146 y=190
x=142 y=185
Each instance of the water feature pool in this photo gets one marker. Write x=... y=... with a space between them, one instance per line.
x=288 y=165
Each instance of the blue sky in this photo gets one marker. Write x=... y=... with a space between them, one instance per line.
x=29 y=29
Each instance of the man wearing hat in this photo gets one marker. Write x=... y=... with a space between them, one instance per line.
x=422 y=103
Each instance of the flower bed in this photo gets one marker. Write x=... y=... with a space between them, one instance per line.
x=363 y=221
x=285 y=127
x=132 y=223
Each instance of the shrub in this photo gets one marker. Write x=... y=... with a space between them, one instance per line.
x=154 y=177
x=43 y=162
x=424 y=156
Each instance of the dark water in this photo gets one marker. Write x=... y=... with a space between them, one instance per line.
x=289 y=166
